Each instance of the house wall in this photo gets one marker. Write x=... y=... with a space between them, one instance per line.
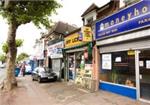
x=112 y=7
x=92 y=14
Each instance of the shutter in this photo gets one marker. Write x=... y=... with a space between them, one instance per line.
x=143 y=44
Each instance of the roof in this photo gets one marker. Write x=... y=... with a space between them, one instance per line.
x=72 y=32
x=106 y=5
x=91 y=8
x=60 y=28
x=95 y=7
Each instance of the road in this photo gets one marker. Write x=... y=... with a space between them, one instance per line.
x=59 y=93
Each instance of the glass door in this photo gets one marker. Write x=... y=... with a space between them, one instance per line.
x=144 y=70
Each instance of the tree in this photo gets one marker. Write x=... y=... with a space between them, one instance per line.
x=19 y=12
x=19 y=43
x=22 y=56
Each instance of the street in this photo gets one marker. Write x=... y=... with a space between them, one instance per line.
x=59 y=93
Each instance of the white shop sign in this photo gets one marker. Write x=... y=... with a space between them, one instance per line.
x=55 y=50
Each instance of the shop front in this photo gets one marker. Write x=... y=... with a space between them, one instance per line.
x=78 y=59
x=55 y=55
x=124 y=50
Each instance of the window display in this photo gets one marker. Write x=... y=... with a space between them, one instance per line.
x=120 y=68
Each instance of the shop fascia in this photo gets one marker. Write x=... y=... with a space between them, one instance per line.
x=134 y=17
x=55 y=50
x=80 y=37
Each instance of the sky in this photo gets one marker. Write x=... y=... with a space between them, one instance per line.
x=70 y=13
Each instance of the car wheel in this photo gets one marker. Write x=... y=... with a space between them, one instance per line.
x=55 y=78
x=39 y=79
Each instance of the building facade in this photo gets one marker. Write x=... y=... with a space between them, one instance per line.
x=53 y=56
x=123 y=54
x=78 y=58
x=89 y=18
x=55 y=53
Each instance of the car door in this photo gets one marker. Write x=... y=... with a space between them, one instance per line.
x=35 y=73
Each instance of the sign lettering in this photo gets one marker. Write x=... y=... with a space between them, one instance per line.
x=131 y=18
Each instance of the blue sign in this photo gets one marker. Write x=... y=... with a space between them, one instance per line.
x=80 y=36
x=131 y=18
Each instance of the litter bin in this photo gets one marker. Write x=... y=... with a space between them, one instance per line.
x=17 y=70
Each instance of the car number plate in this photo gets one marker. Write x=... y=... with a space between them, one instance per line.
x=50 y=77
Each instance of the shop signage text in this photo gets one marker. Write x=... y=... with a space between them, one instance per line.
x=128 y=19
x=72 y=40
x=86 y=34
x=55 y=50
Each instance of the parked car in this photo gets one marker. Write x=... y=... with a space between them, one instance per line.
x=43 y=74
x=3 y=65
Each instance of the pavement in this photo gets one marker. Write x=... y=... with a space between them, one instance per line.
x=59 y=93
x=2 y=75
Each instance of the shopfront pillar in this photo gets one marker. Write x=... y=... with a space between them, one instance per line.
x=96 y=65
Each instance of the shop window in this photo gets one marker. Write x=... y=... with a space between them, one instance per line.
x=78 y=59
x=118 y=67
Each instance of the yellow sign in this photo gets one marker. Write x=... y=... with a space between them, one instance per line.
x=72 y=40
x=87 y=34
x=131 y=52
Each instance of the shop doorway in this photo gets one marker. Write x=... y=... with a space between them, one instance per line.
x=144 y=74
x=71 y=67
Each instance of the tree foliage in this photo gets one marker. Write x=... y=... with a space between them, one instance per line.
x=22 y=56
x=19 y=43
x=18 y=12
x=2 y=57
x=37 y=11
x=5 y=48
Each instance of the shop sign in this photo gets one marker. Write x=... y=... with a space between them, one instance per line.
x=86 y=34
x=131 y=52
x=72 y=40
x=106 y=61
x=55 y=50
x=131 y=18
x=88 y=67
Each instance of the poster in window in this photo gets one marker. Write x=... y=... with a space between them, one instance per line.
x=141 y=63
x=118 y=59
x=106 y=61
x=148 y=64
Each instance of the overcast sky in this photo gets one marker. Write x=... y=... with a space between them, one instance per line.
x=70 y=13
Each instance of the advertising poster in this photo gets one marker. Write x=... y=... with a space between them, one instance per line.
x=148 y=64
x=86 y=34
x=106 y=61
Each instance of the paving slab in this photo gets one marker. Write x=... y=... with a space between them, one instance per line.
x=31 y=92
